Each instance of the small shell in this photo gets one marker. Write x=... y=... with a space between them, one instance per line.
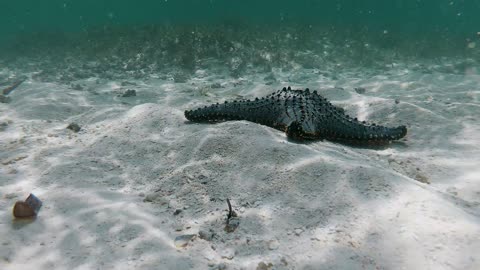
x=23 y=210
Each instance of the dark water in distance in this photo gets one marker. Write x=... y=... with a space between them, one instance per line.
x=413 y=17
x=152 y=36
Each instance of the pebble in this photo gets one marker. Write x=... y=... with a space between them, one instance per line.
x=77 y=87
x=452 y=190
x=210 y=256
x=206 y=235
x=264 y=266
x=422 y=178
x=177 y=211
x=127 y=83
x=154 y=197
x=360 y=90
x=221 y=266
x=228 y=253
x=179 y=227
x=216 y=85
x=298 y=231
x=273 y=244
x=3 y=126
x=5 y=99
x=129 y=93
x=180 y=77
x=74 y=127
x=183 y=240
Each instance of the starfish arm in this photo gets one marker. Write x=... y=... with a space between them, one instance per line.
x=351 y=129
x=263 y=111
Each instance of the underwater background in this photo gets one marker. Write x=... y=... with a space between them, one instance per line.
x=415 y=17
x=409 y=19
x=93 y=95
x=141 y=37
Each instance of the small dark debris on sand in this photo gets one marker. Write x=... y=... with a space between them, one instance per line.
x=3 y=126
x=74 y=127
x=183 y=240
x=127 y=83
x=5 y=99
x=206 y=235
x=12 y=87
x=360 y=90
x=264 y=266
x=216 y=86
x=129 y=93
x=232 y=219
x=78 y=87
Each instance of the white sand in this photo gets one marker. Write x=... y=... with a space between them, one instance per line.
x=320 y=205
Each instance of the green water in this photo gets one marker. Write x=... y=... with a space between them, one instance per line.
x=149 y=37
x=414 y=17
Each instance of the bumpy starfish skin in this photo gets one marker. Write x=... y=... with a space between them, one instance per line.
x=301 y=114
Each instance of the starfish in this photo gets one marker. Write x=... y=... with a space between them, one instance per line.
x=303 y=115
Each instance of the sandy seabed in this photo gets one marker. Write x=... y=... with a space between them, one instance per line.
x=137 y=175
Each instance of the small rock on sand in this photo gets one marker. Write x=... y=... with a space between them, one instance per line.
x=3 y=126
x=422 y=178
x=5 y=99
x=273 y=244
x=360 y=90
x=183 y=240
x=155 y=198
x=228 y=253
x=74 y=127
x=298 y=231
x=129 y=93
x=264 y=266
x=206 y=235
